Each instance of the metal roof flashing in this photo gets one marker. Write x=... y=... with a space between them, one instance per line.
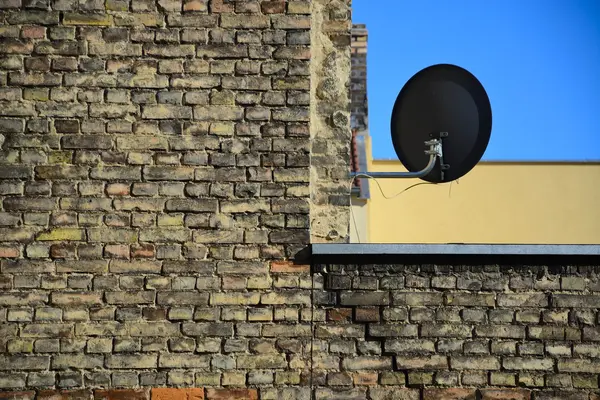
x=588 y=254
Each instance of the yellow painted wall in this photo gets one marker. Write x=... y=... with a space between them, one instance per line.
x=494 y=203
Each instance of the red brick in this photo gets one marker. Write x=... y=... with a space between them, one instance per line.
x=9 y=252
x=83 y=394
x=33 y=32
x=117 y=189
x=273 y=7
x=177 y=394
x=122 y=394
x=289 y=267
x=220 y=6
x=449 y=394
x=505 y=394
x=116 y=251
x=142 y=251
x=17 y=395
x=339 y=314
x=231 y=394
x=367 y=314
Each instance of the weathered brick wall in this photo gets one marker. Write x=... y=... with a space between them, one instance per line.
x=458 y=332
x=161 y=164
x=154 y=179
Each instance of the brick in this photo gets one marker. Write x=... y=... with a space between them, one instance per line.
x=231 y=394
x=335 y=331
x=15 y=172
x=149 y=143
x=182 y=298
x=76 y=298
x=61 y=172
x=367 y=314
x=359 y=298
x=15 y=46
x=130 y=297
x=195 y=82
x=289 y=267
x=218 y=113
x=77 y=361
x=131 y=361
x=87 y=19
x=46 y=79
x=546 y=332
x=179 y=51
x=422 y=362
x=523 y=300
x=117 y=189
x=27 y=363
x=559 y=395
x=449 y=394
x=417 y=299
x=575 y=301
x=471 y=299
x=112 y=235
x=9 y=252
x=380 y=393
x=501 y=331
x=183 y=361
x=119 y=48
x=579 y=365
x=236 y=298
x=165 y=111
x=177 y=394
x=393 y=330
x=86 y=142
x=13 y=380
x=367 y=363
x=446 y=330
x=267 y=361
x=505 y=394
x=527 y=363
x=146 y=81
x=245 y=21
x=12 y=109
x=273 y=7
x=475 y=362
x=62 y=234
x=168 y=173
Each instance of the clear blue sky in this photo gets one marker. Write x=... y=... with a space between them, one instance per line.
x=539 y=61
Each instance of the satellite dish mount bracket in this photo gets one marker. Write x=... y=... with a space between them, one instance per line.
x=434 y=151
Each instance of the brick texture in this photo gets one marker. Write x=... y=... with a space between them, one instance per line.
x=164 y=165
x=154 y=193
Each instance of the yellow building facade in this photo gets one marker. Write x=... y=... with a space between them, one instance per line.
x=497 y=202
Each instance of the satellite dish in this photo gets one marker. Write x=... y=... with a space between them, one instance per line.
x=446 y=108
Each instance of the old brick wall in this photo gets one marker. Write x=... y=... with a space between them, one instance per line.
x=410 y=332
x=162 y=162
x=154 y=181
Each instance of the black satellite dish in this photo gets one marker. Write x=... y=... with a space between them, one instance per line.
x=441 y=105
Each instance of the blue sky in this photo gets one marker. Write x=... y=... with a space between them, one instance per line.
x=539 y=61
